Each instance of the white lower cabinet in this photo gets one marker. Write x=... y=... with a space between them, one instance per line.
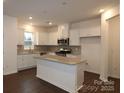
x=26 y=61
x=19 y=61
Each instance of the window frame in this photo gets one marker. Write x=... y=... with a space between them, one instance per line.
x=29 y=47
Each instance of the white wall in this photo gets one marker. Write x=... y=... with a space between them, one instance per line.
x=105 y=41
x=10 y=42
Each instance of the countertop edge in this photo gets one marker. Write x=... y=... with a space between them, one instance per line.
x=59 y=61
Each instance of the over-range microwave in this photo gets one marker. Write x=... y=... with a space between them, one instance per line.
x=63 y=41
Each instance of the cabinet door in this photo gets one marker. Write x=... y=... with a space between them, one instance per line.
x=90 y=28
x=29 y=60
x=34 y=63
x=87 y=32
x=53 y=36
x=74 y=37
x=43 y=38
x=20 y=61
x=20 y=36
x=26 y=61
x=32 y=60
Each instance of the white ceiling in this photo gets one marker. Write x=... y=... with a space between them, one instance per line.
x=57 y=11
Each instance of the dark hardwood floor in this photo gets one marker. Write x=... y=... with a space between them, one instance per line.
x=90 y=86
x=27 y=82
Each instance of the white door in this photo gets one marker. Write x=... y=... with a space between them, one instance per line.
x=114 y=47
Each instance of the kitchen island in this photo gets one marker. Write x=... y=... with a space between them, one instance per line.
x=64 y=72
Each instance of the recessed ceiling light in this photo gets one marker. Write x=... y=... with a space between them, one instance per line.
x=101 y=10
x=50 y=23
x=30 y=17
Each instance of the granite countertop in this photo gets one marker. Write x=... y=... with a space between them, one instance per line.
x=60 y=59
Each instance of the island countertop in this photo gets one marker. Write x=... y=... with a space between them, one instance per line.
x=61 y=59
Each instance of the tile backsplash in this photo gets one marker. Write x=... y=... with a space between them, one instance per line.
x=76 y=50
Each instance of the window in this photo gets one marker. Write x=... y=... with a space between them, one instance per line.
x=28 y=40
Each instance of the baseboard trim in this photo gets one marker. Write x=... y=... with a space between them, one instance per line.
x=10 y=72
x=79 y=88
x=92 y=73
x=20 y=69
x=114 y=77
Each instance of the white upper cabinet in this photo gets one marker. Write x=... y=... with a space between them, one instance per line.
x=52 y=36
x=43 y=38
x=63 y=31
x=20 y=37
x=74 y=38
x=74 y=34
x=90 y=28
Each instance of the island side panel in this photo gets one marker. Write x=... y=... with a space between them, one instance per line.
x=80 y=75
x=58 y=74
